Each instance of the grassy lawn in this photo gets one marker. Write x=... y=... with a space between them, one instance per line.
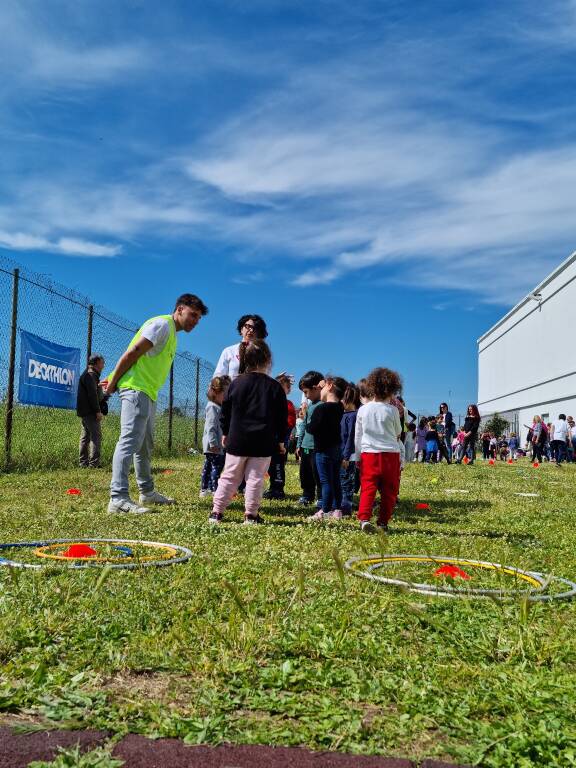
x=260 y=638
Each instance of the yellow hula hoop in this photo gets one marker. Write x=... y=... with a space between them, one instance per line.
x=44 y=551
x=357 y=565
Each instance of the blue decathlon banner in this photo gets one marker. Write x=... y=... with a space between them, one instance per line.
x=49 y=372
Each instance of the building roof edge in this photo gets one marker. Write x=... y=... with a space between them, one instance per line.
x=559 y=269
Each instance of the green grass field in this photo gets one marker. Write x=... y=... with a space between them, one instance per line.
x=47 y=438
x=261 y=638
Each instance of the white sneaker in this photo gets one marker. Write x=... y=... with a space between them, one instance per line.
x=155 y=498
x=127 y=505
x=204 y=493
x=367 y=527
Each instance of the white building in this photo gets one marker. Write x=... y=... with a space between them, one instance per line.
x=526 y=362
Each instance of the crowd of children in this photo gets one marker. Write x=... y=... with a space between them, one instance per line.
x=348 y=437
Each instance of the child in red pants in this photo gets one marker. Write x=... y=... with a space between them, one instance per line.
x=378 y=432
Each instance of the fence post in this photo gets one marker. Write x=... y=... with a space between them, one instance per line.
x=170 y=406
x=197 y=403
x=11 y=372
x=89 y=339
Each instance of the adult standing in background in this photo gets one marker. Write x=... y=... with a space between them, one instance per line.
x=91 y=406
x=139 y=376
x=559 y=435
x=231 y=361
x=446 y=424
x=537 y=438
x=471 y=426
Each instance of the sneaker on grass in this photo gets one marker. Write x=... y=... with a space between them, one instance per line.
x=304 y=501
x=336 y=514
x=317 y=517
x=274 y=495
x=215 y=518
x=367 y=527
x=205 y=492
x=127 y=506
x=155 y=498
x=253 y=520
x=382 y=527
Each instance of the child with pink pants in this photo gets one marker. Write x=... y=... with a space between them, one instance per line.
x=253 y=419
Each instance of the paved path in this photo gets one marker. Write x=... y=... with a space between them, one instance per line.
x=18 y=750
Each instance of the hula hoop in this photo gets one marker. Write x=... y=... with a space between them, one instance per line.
x=365 y=567
x=44 y=551
x=180 y=554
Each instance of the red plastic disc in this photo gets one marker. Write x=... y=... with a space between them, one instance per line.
x=452 y=571
x=74 y=492
x=79 y=550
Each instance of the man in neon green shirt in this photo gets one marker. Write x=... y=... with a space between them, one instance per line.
x=139 y=375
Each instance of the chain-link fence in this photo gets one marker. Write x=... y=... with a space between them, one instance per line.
x=36 y=436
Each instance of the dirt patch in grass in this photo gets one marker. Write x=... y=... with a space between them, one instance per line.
x=172 y=690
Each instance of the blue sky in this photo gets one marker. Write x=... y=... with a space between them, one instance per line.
x=379 y=180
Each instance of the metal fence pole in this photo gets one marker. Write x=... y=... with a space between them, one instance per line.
x=197 y=403
x=170 y=406
x=89 y=339
x=11 y=372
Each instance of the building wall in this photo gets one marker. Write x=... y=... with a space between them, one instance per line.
x=525 y=362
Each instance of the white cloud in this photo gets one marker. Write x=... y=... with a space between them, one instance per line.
x=401 y=163
x=355 y=178
x=68 y=246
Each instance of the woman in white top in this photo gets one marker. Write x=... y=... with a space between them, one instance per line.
x=231 y=361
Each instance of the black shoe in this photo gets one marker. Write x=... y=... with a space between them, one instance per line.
x=275 y=495
x=253 y=520
x=304 y=501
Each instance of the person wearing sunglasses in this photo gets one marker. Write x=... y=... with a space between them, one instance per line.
x=231 y=361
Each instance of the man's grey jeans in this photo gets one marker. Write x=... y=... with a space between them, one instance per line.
x=90 y=442
x=136 y=440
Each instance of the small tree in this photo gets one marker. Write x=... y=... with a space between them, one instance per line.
x=497 y=425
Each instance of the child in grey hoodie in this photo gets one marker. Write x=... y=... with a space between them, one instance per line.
x=212 y=437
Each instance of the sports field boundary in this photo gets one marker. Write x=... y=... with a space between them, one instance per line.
x=18 y=750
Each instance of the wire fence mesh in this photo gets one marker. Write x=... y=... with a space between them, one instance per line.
x=48 y=437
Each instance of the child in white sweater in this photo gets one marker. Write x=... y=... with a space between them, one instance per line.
x=378 y=432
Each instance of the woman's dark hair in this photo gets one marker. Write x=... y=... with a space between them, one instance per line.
x=339 y=385
x=383 y=383
x=260 y=330
x=93 y=359
x=422 y=422
x=442 y=406
x=218 y=385
x=351 y=396
x=191 y=300
x=257 y=354
x=310 y=379
x=475 y=411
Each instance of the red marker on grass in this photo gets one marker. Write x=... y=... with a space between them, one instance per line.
x=79 y=550
x=452 y=571
x=74 y=492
